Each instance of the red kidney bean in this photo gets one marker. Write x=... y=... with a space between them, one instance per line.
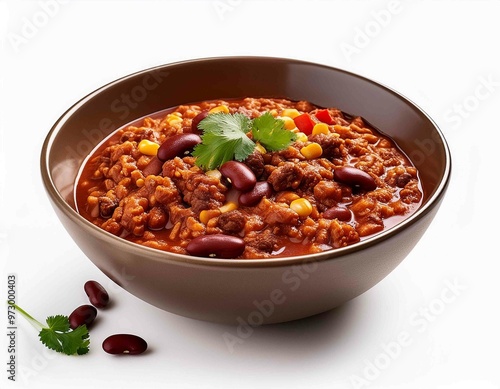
x=84 y=314
x=124 y=344
x=196 y=120
x=217 y=245
x=252 y=197
x=97 y=294
x=354 y=177
x=341 y=213
x=177 y=145
x=241 y=176
x=153 y=167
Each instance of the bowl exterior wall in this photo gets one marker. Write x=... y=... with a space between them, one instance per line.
x=253 y=295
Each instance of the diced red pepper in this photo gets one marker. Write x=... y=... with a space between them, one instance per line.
x=304 y=123
x=324 y=116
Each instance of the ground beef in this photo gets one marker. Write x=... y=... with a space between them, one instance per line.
x=311 y=175
x=328 y=193
x=264 y=241
x=285 y=177
x=231 y=222
x=333 y=147
x=107 y=205
x=134 y=217
x=165 y=205
x=204 y=192
x=255 y=161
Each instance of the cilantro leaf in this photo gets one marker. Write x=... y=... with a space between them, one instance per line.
x=58 y=323
x=224 y=139
x=59 y=337
x=271 y=132
x=57 y=334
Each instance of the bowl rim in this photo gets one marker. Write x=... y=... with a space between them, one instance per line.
x=165 y=256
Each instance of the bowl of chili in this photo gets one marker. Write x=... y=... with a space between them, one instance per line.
x=257 y=287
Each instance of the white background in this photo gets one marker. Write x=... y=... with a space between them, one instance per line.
x=441 y=54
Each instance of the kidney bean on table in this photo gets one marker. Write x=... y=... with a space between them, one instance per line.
x=84 y=314
x=124 y=344
x=241 y=176
x=355 y=177
x=177 y=145
x=98 y=296
x=252 y=197
x=216 y=245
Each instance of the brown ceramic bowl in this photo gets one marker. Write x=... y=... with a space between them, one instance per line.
x=236 y=291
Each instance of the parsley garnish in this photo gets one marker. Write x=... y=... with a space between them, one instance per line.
x=57 y=334
x=225 y=137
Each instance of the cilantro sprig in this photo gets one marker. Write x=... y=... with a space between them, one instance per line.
x=271 y=132
x=57 y=335
x=226 y=137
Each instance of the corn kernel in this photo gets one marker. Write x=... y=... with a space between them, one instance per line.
x=301 y=137
x=302 y=206
x=289 y=123
x=290 y=112
x=214 y=173
x=172 y=119
x=140 y=182
x=229 y=206
x=221 y=108
x=261 y=149
x=208 y=214
x=204 y=216
x=147 y=147
x=320 y=128
x=312 y=151
x=273 y=112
